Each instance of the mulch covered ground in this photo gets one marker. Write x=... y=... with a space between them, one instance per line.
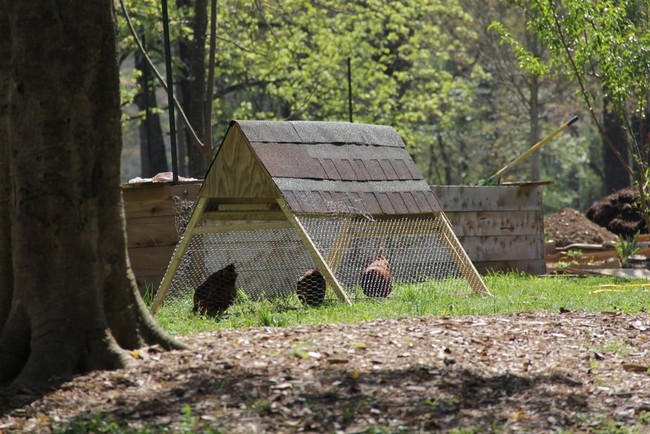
x=529 y=372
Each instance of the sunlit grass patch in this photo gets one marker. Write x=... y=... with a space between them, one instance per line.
x=511 y=293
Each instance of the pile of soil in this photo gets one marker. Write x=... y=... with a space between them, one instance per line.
x=570 y=226
x=618 y=213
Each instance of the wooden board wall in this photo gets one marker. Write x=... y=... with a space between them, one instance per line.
x=150 y=226
x=500 y=227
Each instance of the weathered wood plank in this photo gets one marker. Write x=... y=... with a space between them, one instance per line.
x=501 y=197
x=150 y=226
x=149 y=264
x=249 y=226
x=151 y=231
x=510 y=248
x=496 y=223
x=500 y=227
x=243 y=215
x=145 y=200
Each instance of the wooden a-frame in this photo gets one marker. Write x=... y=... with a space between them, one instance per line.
x=259 y=175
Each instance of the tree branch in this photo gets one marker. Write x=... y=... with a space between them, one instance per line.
x=197 y=141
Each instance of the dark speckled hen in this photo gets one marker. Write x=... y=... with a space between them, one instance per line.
x=377 y=279
x=217 y=293
x=311 y=288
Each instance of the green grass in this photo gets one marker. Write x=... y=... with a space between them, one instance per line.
x=510 y=293
x=99 y=424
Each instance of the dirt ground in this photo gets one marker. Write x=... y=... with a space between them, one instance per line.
x=569 y=226
x=529 y=372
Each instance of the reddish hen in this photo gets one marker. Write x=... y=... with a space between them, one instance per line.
x=311 y=288
x=377 y=280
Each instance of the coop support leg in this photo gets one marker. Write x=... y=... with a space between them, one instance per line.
x=175 y=262
x=330 y=278
x=341 y=243
x=460 y=257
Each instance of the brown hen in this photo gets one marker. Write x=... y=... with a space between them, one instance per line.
x=377 y=280
x=217 y=293
x=311 y=288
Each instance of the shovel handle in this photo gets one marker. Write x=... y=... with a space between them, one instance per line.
x=572 y=120
x=535 y=147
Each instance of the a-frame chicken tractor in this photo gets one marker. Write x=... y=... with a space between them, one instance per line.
x=314 y=211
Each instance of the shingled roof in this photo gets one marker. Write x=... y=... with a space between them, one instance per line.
x=331 y=167
x=272 y=188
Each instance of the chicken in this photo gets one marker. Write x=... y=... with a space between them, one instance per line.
x=311 y=288
x=217 y=293
x=377 y=280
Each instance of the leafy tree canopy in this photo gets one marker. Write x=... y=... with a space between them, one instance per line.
x=288 y=60
x=604 y=46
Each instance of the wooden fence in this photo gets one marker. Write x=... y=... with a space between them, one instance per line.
x=500 y=227
x=151 y=209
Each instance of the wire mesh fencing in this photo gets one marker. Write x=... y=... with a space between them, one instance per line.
x=230 y=261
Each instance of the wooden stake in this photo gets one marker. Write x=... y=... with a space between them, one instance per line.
x=330 y=278
x=197 y=213
x=461 y=259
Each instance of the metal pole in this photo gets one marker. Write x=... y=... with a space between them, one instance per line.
x=170 y=92
x=147 y=113
x=350 y=89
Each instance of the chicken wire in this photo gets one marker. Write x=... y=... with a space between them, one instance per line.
x=416 y=251
x=368 y=257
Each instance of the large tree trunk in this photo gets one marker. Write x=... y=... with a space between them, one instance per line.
x=6 y=274
x=75 y=306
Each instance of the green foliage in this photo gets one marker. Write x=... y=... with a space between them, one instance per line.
x=430 y=69
x=627 y=246
x=604 y=46
x=288 y=60
x=98 y=425
x=412 y=63
x=511 y=293
x=528 y=61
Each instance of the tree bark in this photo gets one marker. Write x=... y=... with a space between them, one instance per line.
x=75 y=307
x=616 y=176
x=534 y=134
x=6 y=274
x=193 y=88
x=534 y=106
x=153 y=156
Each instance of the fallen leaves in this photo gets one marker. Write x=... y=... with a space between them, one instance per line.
x=534 y=372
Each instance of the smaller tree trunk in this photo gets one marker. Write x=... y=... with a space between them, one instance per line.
x=193 y=87
x=616 y=177
x=534 y=135
x=153 y=156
